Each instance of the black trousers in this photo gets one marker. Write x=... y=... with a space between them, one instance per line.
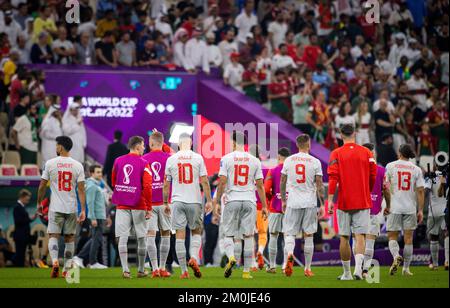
x=212 y=235
x=21 y=249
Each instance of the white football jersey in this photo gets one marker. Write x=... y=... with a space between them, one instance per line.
x=242 y=171
x=301 y=170
x=64 y=174
x=184 y=170
x=404 y=178
x=438 y=205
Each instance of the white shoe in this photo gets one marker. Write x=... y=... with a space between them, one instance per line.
x=147 y=265
x=78 y=262
x=407 y=272
x=346 y=277
x=175 y=265
x=97 y=266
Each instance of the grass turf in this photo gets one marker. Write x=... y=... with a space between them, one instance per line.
x=325 y=277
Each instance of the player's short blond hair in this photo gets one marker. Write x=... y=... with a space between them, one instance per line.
x=157 y=137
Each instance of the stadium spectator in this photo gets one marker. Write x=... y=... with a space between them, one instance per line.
x=106 y=51
x=116 y=149
x=277 y=30
x=384 y=121
x=319 y=117
x=41 y=52
x=385 y=150
x=343 y=117
x=21 y=108
x=300 y=106
x=228 y=46
x=108 y=24
x=51 y=128
x=11 y=28
x=63 y=49
x=196 y=51
x=282 y=60
x=213 y=52
x=6 y=253
x=85 y=50
x=22 y=15
x=25 y=135
x=126 y=51
x=73 y=127
x=22 y=221
x=44 y=23
x=426 y=142
x=245 y=21
x=233 y=73
x=363 y=120
x=148 y=56
x=279 y=95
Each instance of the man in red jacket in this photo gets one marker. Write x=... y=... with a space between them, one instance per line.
x=353 y=169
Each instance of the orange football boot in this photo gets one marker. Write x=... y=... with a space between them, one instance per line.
x=194 y=265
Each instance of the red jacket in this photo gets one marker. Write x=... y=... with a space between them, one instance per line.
x=145 y=204
x=354 y=169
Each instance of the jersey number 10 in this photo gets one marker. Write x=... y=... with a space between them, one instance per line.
x=64 y=181
x=185 y=174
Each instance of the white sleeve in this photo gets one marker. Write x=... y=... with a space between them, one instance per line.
x=80 y=177
x=226 y=74
x=167 y=171
x=258 y=173
x=45 y=172
x=203 y=171
x=318 y=168
x=285 y=167
x=420 y=182
x=223 y=168
x=20 y=125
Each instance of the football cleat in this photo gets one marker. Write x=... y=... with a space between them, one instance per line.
x=271 y=270
x=156 y=274
x=407 y=272
x=164 y=274
x=260 y=260
x=194 y=265
x=126 y=275
x=365 y=274
x=142 y=274
x=446 y=266
x=229 y=267
x=395 y=265
x=432 y=267
x=246 y=275
x=223 y=261
x=55 y=271
x=185 y=275
x=289 y=266
x=309 y=273
x=345 y=277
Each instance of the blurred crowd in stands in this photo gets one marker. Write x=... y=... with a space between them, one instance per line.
x=316 y=63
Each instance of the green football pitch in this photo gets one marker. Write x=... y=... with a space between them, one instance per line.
x=325 y=277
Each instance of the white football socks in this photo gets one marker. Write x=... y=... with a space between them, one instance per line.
x=69 y=251
x=53 y=249
x=407 y=255
x=164 y=248
x=434 y=248
x=359 y=260
x=248 y=253
x=194 y=249
x=229 y=247
x=309 y=251
x=141 y=252
x=180 y=249
x=394 y=248
x=238 y=251
x=123 y=253
x=289 y=244
x=273 y=247
x=152 y=252
x=368 y=254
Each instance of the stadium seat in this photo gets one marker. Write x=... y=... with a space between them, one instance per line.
x=8 y=170
x=30 y=170
x=12 y=158
x=425 y=160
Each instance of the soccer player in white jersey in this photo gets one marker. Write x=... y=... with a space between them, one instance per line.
x=239 y=172
x=437 y=205
x=406 y=185
x=65 y=175
x=186 y=170
x=301 y=186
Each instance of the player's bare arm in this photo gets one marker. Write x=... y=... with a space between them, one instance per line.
x=218 y=199
x=420 y=191
x=387 y=197
x=82 y=197
x=207 y=191
x=262 y=196
x=41 y=194
x=166 y=191
x=320 y=195
x=283 y=191
x=442 y=184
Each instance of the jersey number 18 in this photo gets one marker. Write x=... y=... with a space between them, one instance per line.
x=64 y=181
